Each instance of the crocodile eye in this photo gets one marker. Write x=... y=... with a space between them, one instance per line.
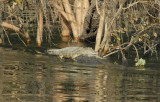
x=48 y=51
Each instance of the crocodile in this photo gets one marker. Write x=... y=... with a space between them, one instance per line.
x=81 y=54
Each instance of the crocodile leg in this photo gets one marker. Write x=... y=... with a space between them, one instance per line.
x=60 y=58
x=74 y=59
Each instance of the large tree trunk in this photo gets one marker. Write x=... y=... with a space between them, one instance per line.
x=78 y=12
x=40 y=26
x=66 y=29
x=81 y=8
x=1 y=41
x=71 y=18
x=75 y=19
x=85 y=7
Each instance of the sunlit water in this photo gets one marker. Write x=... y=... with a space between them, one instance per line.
x=26 y=77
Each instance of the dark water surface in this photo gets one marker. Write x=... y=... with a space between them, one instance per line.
x=26 y=77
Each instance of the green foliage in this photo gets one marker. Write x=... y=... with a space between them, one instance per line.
x=18 y=1
x=140 y=62
x=118 y=38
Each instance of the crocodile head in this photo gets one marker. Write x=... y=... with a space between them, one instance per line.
x=90 y=51
x=53 y=51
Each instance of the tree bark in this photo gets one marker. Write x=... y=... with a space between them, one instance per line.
x=85 y=7
x=71 y=18
x=66 y=29
x=158 y=2
x=75 y=20
x=78 y=12
x=81 y=8
x=40 y=26
x=1 y=41
x=101 y=27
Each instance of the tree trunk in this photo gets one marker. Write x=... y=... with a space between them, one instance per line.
x=1 y=41
x=75 y=19
x=78 y=12
x=85 y=7
x=108 y=36
x=81 y=8
x=158 y=2
x=71 y=18
x=66 y=29
x=40 y=26
x=101 y=27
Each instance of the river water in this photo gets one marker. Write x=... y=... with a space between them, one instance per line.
x=26 y=77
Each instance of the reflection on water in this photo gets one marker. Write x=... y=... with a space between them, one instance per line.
x=35 y=78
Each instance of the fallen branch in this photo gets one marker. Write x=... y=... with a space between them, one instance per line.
x=16 y=29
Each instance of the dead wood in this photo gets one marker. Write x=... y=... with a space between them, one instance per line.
x=16 y=29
